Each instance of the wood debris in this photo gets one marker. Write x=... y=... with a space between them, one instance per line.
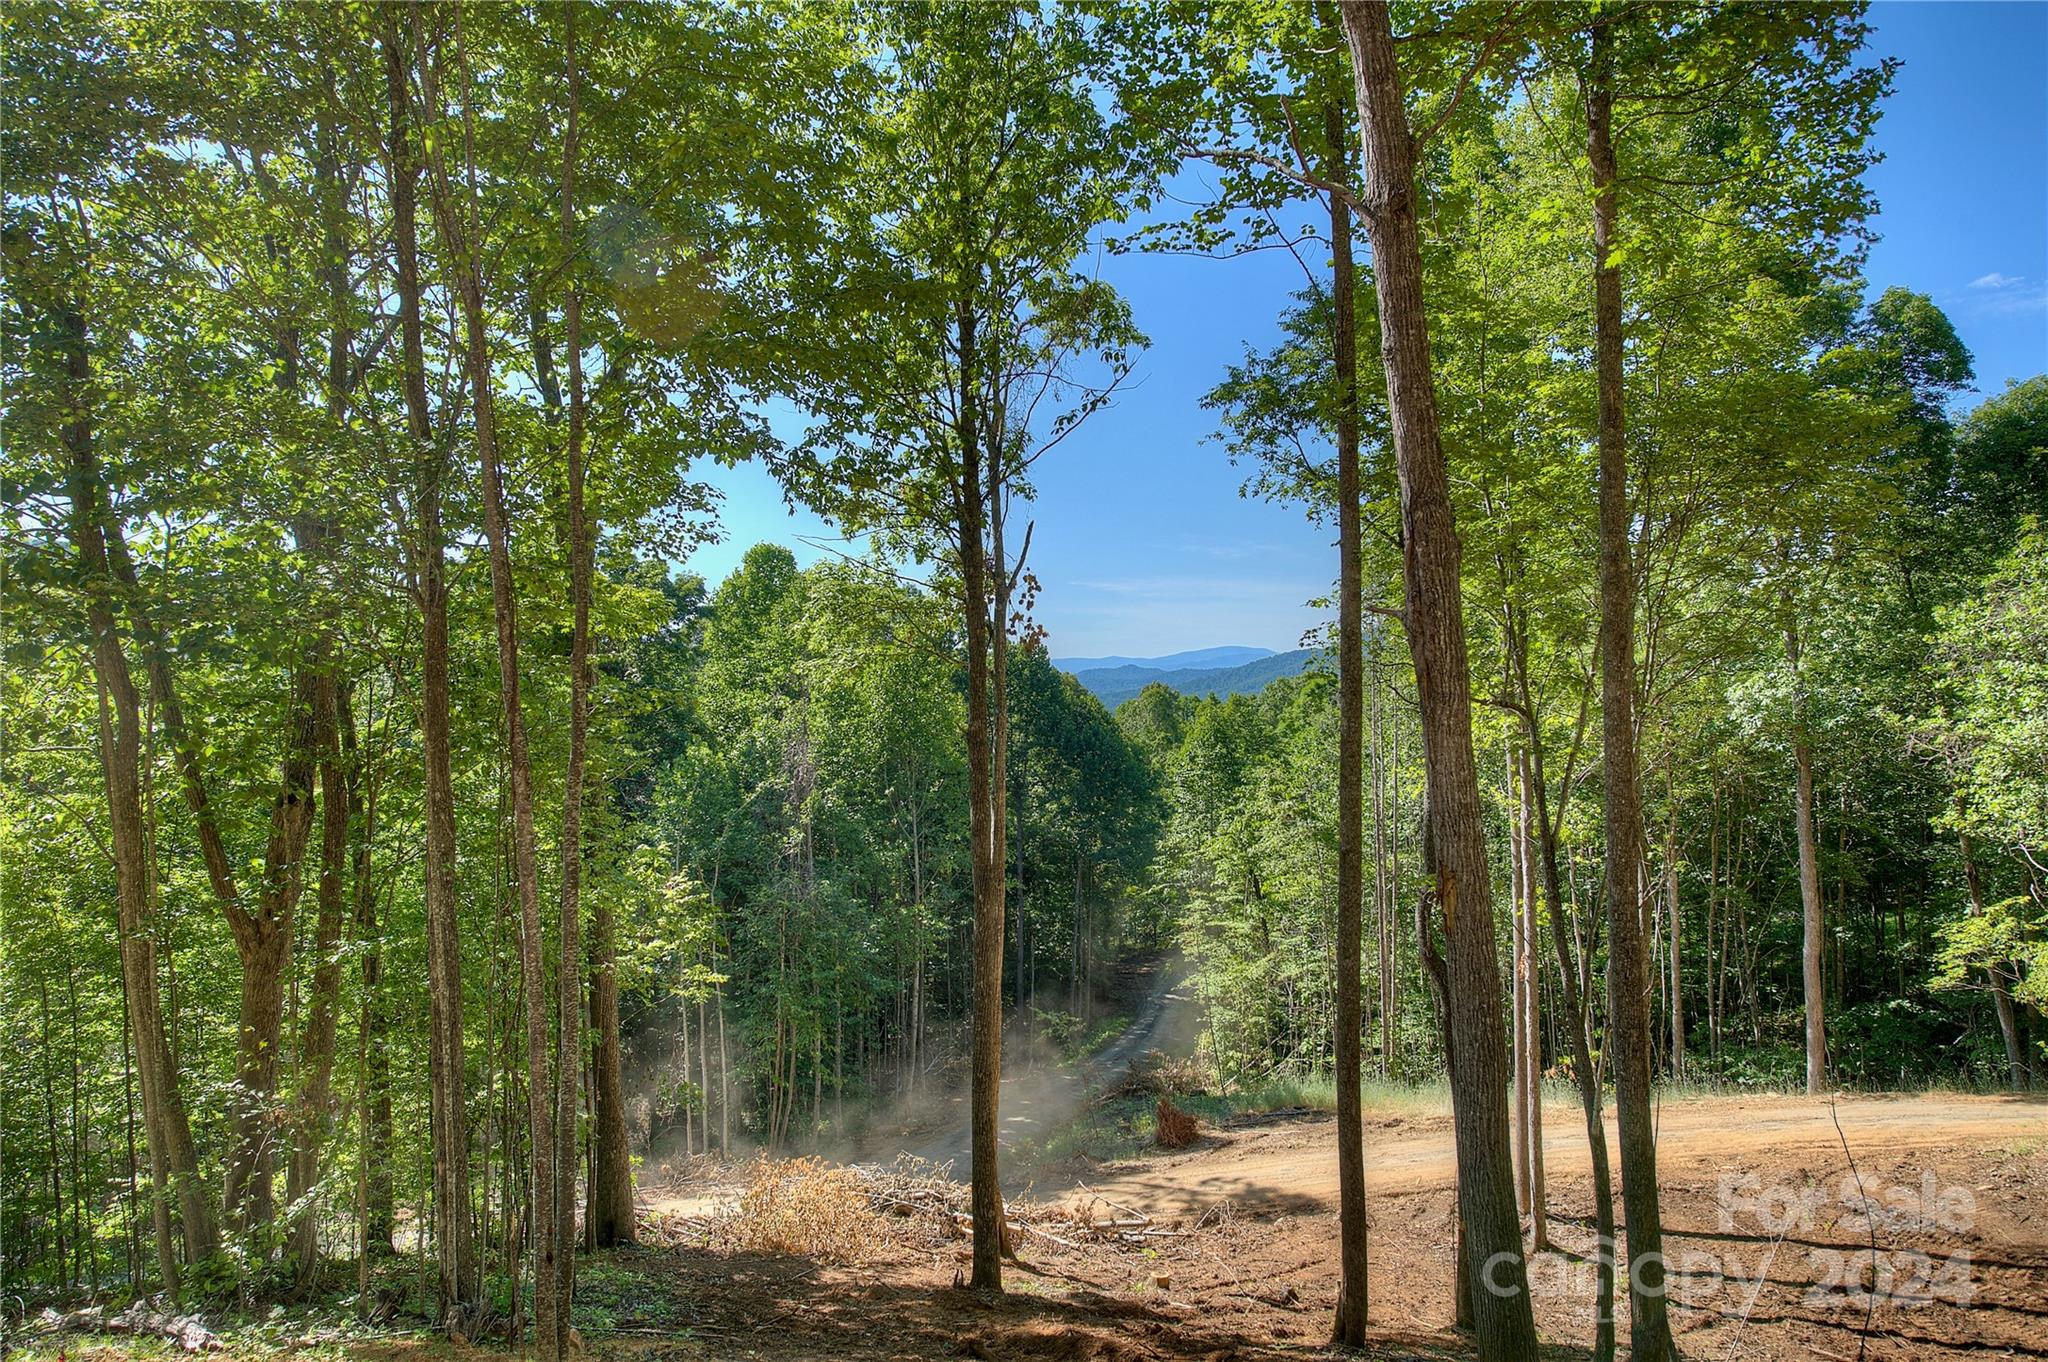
x=188 y=1332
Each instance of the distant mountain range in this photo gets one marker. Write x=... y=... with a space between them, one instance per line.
x=1204 y=671
x=1228 y=656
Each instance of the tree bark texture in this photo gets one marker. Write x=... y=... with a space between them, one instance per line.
x=1349 y=1326
x=1503 y=1318
x=1629 y=1016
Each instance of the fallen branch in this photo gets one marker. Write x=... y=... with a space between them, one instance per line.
x=187 y=1331
x=1045 y=1235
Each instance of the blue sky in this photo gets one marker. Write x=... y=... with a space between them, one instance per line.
x=1144 y=544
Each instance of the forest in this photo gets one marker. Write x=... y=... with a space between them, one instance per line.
x=410 y=867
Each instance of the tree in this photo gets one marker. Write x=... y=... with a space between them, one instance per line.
x=1627 y=982
x=1987 y=730
x=1433 y=613
x=457 y=221
x=1350 y=1324
x=961 y=352
x=426 y=572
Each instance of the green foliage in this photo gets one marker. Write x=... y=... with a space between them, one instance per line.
x=2001 y=943
x=819 y=822
x=1990 y=692
x=792 y=218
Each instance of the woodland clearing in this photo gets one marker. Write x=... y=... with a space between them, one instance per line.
x=1246 y=1226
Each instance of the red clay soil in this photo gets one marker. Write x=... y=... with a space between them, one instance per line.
x=1764 y=1215
x=1769 y=1221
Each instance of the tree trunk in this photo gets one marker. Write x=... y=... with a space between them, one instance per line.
x=1716 y=946
x=1532 y=998
x=455 y=1260
x=1578 y=1004
x=570 y=964
x=1438 y=975
x=2001 y=997
x=724 y=1070
x=263 y=938
x=1518 y=974
x=986 y=1195
x=609 y=1211
x=454 y=221
x=315 y=1115
x=1814 y=929
x=1436 y=638
x=264 y=942
x=1382 y=890
x=1628 y=984
x=1349 y=1328
x=375 y=1024
x=173 y=1159
x=1671 y=903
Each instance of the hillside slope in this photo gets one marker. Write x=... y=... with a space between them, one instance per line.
x=1229 y=655
x=1114 y=685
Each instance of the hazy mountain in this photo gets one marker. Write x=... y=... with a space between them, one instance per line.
x=1230 y=655
x=1114 y=685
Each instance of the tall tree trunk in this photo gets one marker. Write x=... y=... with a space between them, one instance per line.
x=1438 y=975
x=455 y=1259
x=1628 y=984
x=264 y=942
x=315 y=1113
x=131 y=1229
x=609 y=1211
x=1813 y=926
x=1518 y=974
x=1671 y=901
x=1435 y=618
x=1532 y=997
x=569 y=964
x=374 y=1028
x=1577 y=1006
x=1349 y=1327
x=986 y=1193
x=173 y=1159
x=724 y=1066
x=262 y=937
x=455 y=221
x=1382 y=889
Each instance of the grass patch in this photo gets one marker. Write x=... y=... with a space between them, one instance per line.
x=1121 y=1125
x=1111 y=1128
x=1318 y=1092
x=312 y=1339
x=1074 y=1037
x=1105 y=1030
x=613 y=1294
x=1285 y=1092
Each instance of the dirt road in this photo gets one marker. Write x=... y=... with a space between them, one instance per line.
x=1292 y=1164
x=1927 y=1238
x=1037 y=1097
x=1768 y=1228
x=1877 y=1227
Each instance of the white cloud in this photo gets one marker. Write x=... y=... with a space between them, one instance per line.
x=1997 y=280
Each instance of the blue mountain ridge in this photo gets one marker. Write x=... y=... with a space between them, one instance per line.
x=1114 y=685
x=1230 y=655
